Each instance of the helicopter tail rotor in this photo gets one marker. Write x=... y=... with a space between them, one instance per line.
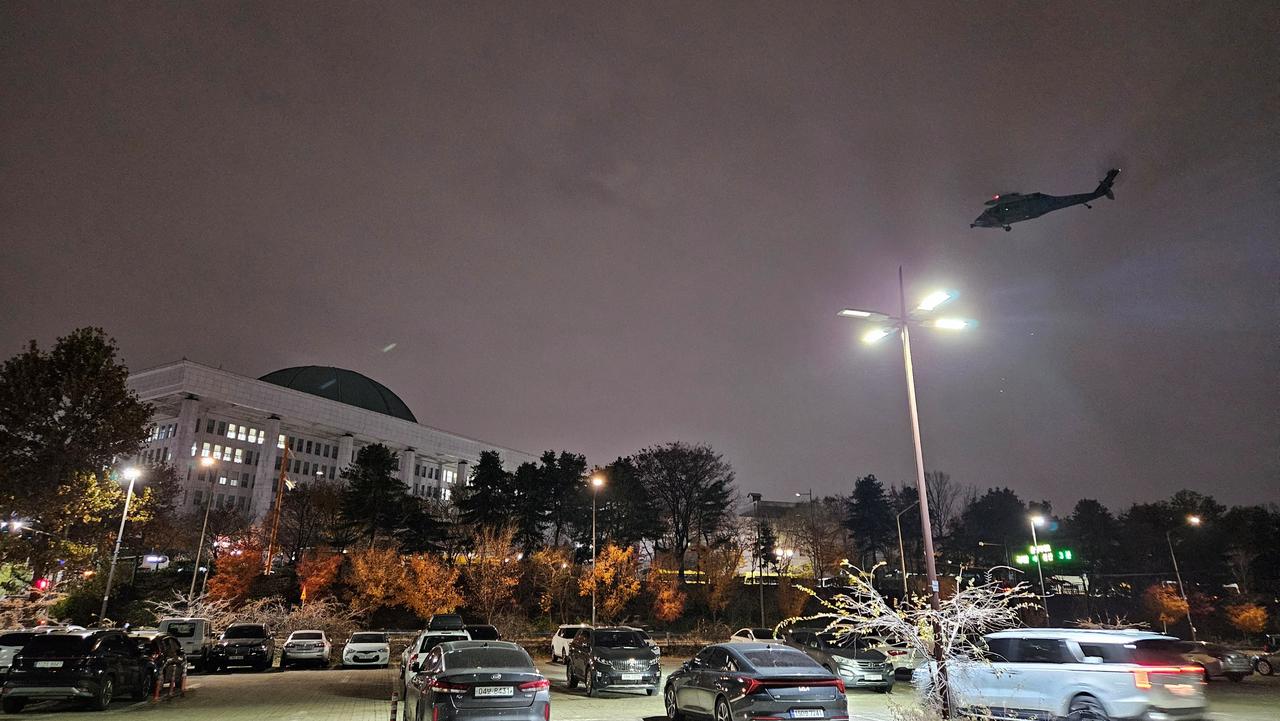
x=1104 y=187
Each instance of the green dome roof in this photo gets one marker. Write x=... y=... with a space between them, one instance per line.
x=343 y=386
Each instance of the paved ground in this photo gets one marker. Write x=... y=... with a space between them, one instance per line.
x=365 y=695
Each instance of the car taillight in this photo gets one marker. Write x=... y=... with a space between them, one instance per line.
x=446 y=687
x=546 y=711
x=840 y=684
x=749 y=685
x=1142 y=676
x=897 y=653
x=539 y=685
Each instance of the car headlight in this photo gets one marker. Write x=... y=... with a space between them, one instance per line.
x=601 y=661
x=846 y=662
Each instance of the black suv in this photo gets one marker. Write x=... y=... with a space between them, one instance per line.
x=612 y=658
x=93 y=666
x=243 y=644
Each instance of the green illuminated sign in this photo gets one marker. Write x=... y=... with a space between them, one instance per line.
x=1043 y=553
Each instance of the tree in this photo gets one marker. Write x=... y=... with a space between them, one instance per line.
x=236 y=571
x=529 y=514
x=616 y=580
x=311 y=516
x=563 y=491
x=1248 y=618
x=429 y=586
x=1164 y=604
x=1091 y=529
x=627 y=514
x=814 y=530
x=317 y=573
x=692 y=491
x=377 y=578
x=720 y=571
x=65 y=415
x=553 y=572
x=375 y=499
x=668 y=600
x=997 y=516
x=871 y=520
x=490 y=496
x=491 y=571
x=946 y=499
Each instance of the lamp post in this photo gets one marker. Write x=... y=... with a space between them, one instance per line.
x=1191 y=521
x=902 y=551
x=130 y=474
x=887 y=325
x=1038 y=520
x=755 y=499
x=596 y=482
x=207 y=464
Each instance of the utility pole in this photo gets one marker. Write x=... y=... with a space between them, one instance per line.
x=275 y=516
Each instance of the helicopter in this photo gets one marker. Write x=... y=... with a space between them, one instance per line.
x=1009 y=208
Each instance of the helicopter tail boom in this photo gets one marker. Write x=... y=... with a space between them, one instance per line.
x=1104 y=187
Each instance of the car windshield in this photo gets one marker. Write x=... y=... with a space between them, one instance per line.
x=56 y=645
x=618 y=639
x=245 y=632
x=430 y=642
x=181 y=630
x=482 y=633
x=763 y=633
x=779 y=658
x=16 y=639
x=368 y=638
x=307 y=636
x=488 y=658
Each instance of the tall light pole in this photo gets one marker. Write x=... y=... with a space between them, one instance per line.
x=1038 y=520
x=130 y=474
x=207 y=464
x=596 y=481
x=887 y=325
x=902 y=551
x=1191 y=521
x=755 y=499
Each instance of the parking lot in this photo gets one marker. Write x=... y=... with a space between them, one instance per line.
x=365 y=695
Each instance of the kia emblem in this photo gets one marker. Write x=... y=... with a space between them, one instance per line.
x=496 y=676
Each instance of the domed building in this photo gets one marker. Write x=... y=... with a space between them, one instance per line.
x=315 y=416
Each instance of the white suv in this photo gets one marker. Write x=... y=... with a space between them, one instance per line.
x=413 y=655
x=561 y=639
x=1055 y=672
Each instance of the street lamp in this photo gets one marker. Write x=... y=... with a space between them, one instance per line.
x=1193 y=521
x=902 y=551
x=1038 y=520
x=982 y=544
x=130 y=474
x=206 y=463
x=887 y=325
x=596 y=482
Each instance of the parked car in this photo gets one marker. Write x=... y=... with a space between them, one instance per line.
x=903 y=657
x=416 y=651
x=561 y=639
x=306 y=646
x=849 y=656
x=1217 y=660
x=367 y=648
x=243 y=644
x=445 y=622
x=476 y=680
x=195 y=635
x=165 y=660
x=483 y=632
x=752 y=635
x=644 y=636
x=1268 y=661
x=1081 y=673
x=754 y=680
x=11 y=642
x=91 y=665
x=612 y=658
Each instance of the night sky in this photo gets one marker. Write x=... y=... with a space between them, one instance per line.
x=606 y=225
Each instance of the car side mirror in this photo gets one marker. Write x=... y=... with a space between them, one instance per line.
x=415 y=667
x=1093 y=659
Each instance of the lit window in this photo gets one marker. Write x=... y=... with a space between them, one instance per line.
x=239 y=455
x=217 y=451
x=235 y=481
x=222 y=480
x=204 y=450
x=280 y=443
x=262 y=437
x=241 y=433
x=193 y=450
x=231 y=430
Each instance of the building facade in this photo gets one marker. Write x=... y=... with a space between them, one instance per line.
x=316 y=417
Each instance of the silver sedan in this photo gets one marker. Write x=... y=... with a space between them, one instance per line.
x=478 y=680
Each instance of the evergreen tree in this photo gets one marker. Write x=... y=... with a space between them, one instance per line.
x=375 y=499
x=870 y=520
x=490 y=494
x=529 y=516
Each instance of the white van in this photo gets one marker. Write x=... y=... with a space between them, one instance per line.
x=196 y=636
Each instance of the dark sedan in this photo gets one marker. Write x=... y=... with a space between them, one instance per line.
x=741 y=681
x=478 y=680
x=92 y=666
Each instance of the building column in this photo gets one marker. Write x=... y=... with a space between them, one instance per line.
x=346 y=444
x=408 y=458
x=265 y=472
x=183 y=462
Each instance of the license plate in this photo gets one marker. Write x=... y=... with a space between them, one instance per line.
x=492 y=691
x=632 y=676
x=807 y=713
x=236 y=658
x=48 y=664
x=874 y=677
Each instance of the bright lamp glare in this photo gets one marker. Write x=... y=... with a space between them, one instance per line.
x=935 y=299
x=851 y=313
x=875 y=335
x=1037 y=520
x=950 y=323
x=131 y=474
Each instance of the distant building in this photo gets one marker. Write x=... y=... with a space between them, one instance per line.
x=322 y=415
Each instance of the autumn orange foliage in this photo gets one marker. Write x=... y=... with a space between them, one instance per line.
x=1248 y=617
x=237 y=568
x=316 y=573
x=616 y=580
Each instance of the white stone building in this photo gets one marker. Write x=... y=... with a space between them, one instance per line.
x=322 y=415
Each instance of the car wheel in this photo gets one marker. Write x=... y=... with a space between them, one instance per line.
x=14 y=704
x=589 y=683
x=1087 y=708
x=1235 y=677
x=1205 y=671
x=673 y=708
x=142 y=688
x=571 y=678
x=1264 y=667
x=722 y=710
x=101 y=701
